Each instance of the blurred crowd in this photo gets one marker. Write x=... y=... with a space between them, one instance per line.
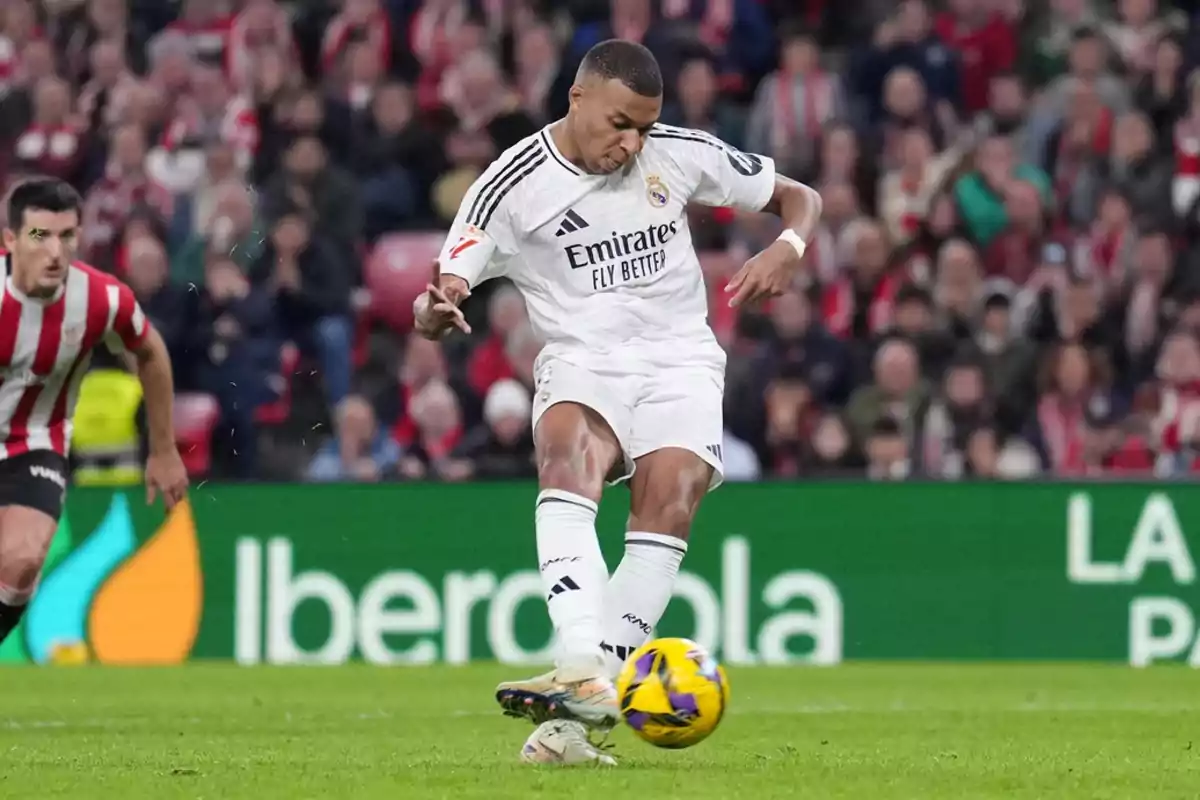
x=1006 y=281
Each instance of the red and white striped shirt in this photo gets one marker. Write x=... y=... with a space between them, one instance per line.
x=45 y=349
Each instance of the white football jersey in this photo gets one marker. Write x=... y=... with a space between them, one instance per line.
x=606 y=262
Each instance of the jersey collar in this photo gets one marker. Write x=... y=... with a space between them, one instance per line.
x=548 y=143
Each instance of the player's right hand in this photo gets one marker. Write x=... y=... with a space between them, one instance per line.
x=436 y=311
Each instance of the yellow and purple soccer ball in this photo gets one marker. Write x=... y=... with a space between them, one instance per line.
x=672 y=693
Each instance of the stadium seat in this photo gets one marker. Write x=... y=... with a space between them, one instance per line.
x=396 y=272
x=360 y=306
x=196 y=416
x=277 y=411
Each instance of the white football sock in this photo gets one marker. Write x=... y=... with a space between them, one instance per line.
x=638 y=593
x=575 y=577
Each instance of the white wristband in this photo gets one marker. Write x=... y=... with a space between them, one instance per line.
x=793 y=238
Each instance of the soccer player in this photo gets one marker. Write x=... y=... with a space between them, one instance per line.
x=53 y=312
x=588 y=218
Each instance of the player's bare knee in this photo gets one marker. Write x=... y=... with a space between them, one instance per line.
x=564 y=458
x=20 y=568
x=669 y=520
x=667 y=508
x=24 y=543
x=572 y=455
x=668 y=494
x=570 y=468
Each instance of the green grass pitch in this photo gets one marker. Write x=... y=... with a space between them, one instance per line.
x=867 y=732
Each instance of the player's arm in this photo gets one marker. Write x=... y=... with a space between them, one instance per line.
x=773 y=271
x=725 y=176
x=153 y=365
x=480 y=238
x=133 y=334
x=799 y=206
x=436 y=310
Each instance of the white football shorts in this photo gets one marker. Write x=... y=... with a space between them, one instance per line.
x=647 y=410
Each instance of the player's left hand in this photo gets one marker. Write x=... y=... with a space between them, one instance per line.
x=768 y=274
x=166 y=475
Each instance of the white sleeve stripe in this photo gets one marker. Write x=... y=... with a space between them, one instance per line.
x=139 y=319
x=114 y=303
x=484 y=196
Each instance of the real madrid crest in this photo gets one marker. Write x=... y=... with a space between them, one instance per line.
x=656 y=191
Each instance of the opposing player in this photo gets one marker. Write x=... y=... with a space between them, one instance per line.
x=587 y=217
x=53 y=312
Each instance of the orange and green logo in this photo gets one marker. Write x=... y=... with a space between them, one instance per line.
x=112 y=601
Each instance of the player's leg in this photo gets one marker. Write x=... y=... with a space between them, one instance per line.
x=575 y=449
x=576 y=418
x=25 y=535
x=666 y=492
x=31 y=495
x=676 y=443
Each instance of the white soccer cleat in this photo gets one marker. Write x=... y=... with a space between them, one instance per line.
x=564 y=742
x=592 y=701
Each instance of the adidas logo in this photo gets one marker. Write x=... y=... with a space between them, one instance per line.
x=571 y=223
x=565 y=584
x=623 y=652
x=715 y=449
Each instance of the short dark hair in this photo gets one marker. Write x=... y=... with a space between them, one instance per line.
x=796 y=32
x=291 y=211
x=997 y=300
x=625 y=61
x=963 y=360
x=300 y=137
x=911 y=293
x=886 y=425
x=42 y=194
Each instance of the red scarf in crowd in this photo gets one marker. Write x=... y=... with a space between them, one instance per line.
x=1106 y=254
x=1186 y=184
x=913 y=205
x=208 y=41
x=244 y=44
x=1063 y=426
x=237 y=126
x=817 y=95
x=716 y=18
x=431 y=34
x=1187 y=156
x=337 y=36
x=1178 y=415
x=838 y=305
